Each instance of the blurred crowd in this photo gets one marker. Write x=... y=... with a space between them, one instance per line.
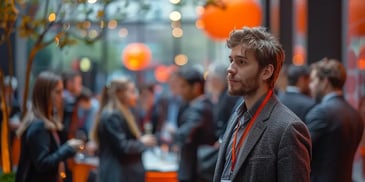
x=188 y=116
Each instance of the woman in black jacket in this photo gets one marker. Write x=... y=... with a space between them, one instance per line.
x=117 y=135
x=42 y=157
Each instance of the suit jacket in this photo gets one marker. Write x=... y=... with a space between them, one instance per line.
x=223 y=110
x=120 y=153
x=299 y=103
x=336 y=130
x=40 y=155
x=195 y=127
x=278 y=147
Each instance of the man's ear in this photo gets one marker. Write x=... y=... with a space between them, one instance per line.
x=267 y=72
x=326 y=83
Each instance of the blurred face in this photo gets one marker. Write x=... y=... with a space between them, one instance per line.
x=85 y=104
x=129 y=97
x=57 y=95
x=211 y=83
x=243 y=72
x=173 y=85
x=185 y=90
x=303 y=85
x=75 y=85
x=316 y=86
x=147 y=97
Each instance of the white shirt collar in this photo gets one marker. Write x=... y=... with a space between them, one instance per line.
x=292 y=89
x=331 y=95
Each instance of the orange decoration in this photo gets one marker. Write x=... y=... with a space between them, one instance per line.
x=275 y=18
x=299 y=55
x=361 y=60
x=301 y=16
x=162 y=72
x=136 y=56
x=218 y=21
x=356 y=17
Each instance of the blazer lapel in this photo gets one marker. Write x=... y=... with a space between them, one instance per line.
x=253 y=137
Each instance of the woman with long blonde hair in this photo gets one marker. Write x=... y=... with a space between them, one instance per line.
x=117 y=135
x=42 y=156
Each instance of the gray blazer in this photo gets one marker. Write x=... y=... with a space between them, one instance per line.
x=278 y=148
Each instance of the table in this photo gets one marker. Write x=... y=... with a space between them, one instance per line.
x=160 y=167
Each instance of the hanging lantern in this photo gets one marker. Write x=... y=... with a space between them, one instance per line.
x=356 y=17
x=136 y=56
x=219 y=20
x=299 y=57
x=162 y=73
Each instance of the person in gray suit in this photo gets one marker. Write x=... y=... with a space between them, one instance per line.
x=335 y=126
x=264 y=140
x=295 y=96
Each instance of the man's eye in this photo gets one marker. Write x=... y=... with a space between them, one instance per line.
x=241 y=62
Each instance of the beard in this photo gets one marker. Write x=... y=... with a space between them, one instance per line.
x=246 y=87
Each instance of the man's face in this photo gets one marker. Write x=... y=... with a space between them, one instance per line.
x=303 y=84
x=85 y=104
x=243 y=72
x=315 y=86
x=75 y=85
x=185 y=90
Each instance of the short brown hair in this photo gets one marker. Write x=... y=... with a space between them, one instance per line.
x=266 y=47
x=331 y=69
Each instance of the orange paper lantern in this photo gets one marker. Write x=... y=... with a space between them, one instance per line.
x=218 y=21
x=357 y=17
x=136 y=56
x=162 y=73
x=299 y=55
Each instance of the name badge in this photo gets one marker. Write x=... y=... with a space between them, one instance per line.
x=225 y=180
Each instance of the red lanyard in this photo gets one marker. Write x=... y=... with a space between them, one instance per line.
x=247 y=129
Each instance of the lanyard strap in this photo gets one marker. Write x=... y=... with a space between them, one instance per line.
x=246 y=131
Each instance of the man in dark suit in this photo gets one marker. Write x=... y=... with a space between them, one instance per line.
x=295 y=97
x=335 y=127
x=195 y=122
x=264 y=140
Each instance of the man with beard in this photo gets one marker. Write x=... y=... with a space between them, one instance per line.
x=335 y=126
x=264 y=140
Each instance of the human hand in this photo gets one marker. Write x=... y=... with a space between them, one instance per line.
x=148 y=140
x=76 y=144
x=91 y=148
x=217 y=144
